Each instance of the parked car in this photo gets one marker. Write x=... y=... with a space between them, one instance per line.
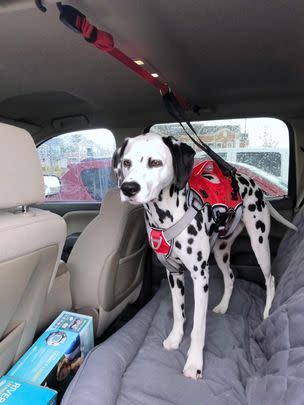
x=87 y=180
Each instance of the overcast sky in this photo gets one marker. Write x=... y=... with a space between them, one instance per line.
x=255 y=127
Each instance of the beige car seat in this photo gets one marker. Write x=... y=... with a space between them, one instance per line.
x=106 y=264
x=31 y=242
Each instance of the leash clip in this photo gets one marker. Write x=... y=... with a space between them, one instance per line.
x=71 y=17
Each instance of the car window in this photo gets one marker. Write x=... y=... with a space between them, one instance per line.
x=82 y=161
x=257 y=147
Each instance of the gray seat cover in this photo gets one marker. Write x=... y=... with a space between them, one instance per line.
x=246 y=360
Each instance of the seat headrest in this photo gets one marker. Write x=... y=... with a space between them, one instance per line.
x=21 y=179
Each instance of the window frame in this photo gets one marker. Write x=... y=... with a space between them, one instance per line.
x=71 y=205
x=282 y=202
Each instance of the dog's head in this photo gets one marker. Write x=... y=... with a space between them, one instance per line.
x=148 y=163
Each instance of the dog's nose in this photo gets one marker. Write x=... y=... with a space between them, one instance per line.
x=130 y=188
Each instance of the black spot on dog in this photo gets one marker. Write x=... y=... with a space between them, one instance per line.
x=198 y=372
x=183 y=290
x=261 y=239
x=204 y=264
x=206 y=288
x=250 y=191
x=189 y=250
x=162 y=214
x=260 y=225
x=182 y=306
x=260 y=203
x=199 y=220
x=225 y=257
x=190 y=241
x=171 y=191
x=244 y=193
x=179 y=283
x=183 y=314
x=160 y=195
x=231 y=275
x=252 y=207
x=243 y=181
x=254 y=216
x=178 y=245
x=199 y=256
x=211 y=229
x=195 y=268
x=185 y=206
x=223 y=245
x=202 y=273
x=177 y=201
x=209 y=212
x=192 y=230
x=252 y=182
x=171 y=279
x=203 y=193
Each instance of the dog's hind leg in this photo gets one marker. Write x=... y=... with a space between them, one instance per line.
x=222 y=257
x=176 y=282
x=258 y=226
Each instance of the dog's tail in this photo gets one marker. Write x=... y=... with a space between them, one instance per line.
x=278 y=217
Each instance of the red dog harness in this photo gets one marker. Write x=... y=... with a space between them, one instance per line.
x=212 y=186
x=207 y=185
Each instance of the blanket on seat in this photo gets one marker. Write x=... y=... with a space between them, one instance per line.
x=247 y=360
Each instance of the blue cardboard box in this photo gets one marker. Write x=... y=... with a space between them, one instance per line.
x=20 y=393
x=58 y=353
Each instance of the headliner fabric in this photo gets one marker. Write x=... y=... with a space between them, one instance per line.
x=247 y=360
x=20 y=169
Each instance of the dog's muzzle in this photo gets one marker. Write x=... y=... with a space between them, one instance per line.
x=130 y=188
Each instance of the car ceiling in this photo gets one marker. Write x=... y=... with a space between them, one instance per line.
x=236 y=58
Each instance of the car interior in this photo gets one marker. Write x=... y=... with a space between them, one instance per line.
x=68 y=242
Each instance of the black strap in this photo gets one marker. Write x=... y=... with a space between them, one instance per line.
x=176 y=110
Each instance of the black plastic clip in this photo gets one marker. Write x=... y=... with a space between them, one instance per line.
x=40 y=6
x=68 y=16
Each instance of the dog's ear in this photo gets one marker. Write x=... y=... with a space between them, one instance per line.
x=116 y=161
x=183 y=160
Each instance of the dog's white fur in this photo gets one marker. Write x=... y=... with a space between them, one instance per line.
x=163 y=210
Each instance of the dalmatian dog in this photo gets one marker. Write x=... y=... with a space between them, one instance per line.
x=154 y=171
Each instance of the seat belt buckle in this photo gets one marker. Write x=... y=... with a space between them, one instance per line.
x=71 y=17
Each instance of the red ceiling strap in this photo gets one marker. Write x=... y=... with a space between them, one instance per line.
x=104 y=41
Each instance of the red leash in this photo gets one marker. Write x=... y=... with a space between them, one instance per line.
x=104 y=41
x=175 y=104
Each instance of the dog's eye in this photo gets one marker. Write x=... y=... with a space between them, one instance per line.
x=127 y=163
x=155 y=163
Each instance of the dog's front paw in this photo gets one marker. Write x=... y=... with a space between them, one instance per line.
x=220 y=309
x=192 y=371
x=172 y=342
